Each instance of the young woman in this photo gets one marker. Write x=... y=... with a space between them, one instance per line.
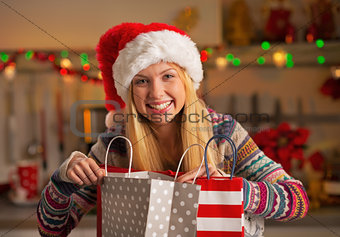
x=155 y=70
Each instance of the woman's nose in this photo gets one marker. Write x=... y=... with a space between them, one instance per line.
x=156 y=89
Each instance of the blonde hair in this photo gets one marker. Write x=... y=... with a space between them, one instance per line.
x=147 y=153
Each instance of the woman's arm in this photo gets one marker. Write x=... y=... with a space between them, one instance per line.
x=268 y=190
x=63 y=202
x=62 y=205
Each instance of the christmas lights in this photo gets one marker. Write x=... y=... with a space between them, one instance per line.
x=61 y=64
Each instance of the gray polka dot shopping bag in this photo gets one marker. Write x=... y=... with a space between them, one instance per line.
x=145 y=203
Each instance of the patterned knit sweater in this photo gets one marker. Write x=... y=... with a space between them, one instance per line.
x=269 y=191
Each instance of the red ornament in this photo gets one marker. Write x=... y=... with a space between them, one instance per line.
x=278 y=25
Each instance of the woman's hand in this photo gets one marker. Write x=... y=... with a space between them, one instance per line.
x=83 y=170
x=189 y=176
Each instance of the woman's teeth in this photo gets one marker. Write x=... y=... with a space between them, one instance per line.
x=161 y=106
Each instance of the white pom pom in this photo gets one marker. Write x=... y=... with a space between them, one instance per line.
x=109 y=119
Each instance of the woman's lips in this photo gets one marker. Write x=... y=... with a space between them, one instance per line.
x=166 y=109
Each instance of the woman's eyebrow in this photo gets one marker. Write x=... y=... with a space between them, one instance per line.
x=139 y=75
x=167 y=70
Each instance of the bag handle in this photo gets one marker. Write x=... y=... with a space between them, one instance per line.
x=233 y=147
x=180 y=162
x=107 y=153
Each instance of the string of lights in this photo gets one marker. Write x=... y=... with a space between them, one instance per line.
x=60 y=62
x=63 y=65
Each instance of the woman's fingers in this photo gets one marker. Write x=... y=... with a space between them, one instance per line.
x=189 y=176
x=97 y=171
x=74 y=177
x=214 y=172
x=81 y=174
x=85 y=171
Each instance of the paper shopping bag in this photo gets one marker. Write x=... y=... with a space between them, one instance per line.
x=141 y=204
x=148 y=207
x=220 y=211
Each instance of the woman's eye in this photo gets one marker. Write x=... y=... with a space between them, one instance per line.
x=167 y=76
x=140 y=81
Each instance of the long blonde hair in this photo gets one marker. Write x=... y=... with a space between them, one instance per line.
x=147 y=153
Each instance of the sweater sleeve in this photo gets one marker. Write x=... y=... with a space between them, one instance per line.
x=268 y=190
x=63 y=203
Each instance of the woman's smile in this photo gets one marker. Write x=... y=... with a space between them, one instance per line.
x=160 y=107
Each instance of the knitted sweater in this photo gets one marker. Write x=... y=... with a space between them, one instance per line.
x=269 y=191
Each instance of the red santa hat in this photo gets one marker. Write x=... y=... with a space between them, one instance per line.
x=126 y=49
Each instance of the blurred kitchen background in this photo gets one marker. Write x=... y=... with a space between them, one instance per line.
x=273 y=65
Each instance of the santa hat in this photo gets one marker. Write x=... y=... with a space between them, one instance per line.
x=126 y=49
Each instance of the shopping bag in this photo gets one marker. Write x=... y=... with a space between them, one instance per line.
x=145 y=204
x=220 y=210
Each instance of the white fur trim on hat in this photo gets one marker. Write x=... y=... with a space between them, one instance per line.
x=153 y=47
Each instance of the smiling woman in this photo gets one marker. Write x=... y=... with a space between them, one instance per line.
x=155 y=70
x=165 y=83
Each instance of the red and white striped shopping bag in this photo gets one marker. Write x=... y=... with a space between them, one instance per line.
x=220 y=209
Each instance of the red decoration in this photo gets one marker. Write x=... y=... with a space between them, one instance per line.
x=278 y=25
x=331 y=87
x=317 y=161
x=283 y=144
x=323 y=24
x=311 y=33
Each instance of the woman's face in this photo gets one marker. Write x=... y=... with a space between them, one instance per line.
x=158 y=93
